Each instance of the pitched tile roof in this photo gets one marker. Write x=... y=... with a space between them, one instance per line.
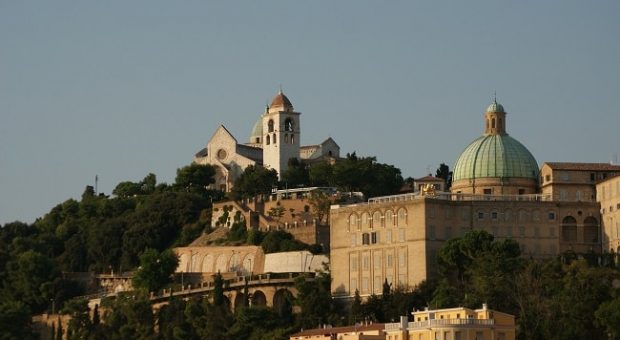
x=583 y=166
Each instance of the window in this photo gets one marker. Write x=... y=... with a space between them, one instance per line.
x=431 y=232
x=267 y=139
x=353 y=240
x=377 y=260
x=402 y=217
x=288 y=124
x=401 y=258
x=551 y=216
x=522 y=231
x=547 y=178
x=521 y=191
x=488 y=191
x=389 y=218
x=365 y=262
x=374 y=237
x=377 y=220
x=274 y=138
x=286 y=138
x=365 y=238
x=353 y=285
x=353 y=264
x=270 y=126
x=365 y=285
x=378 y=284
x=479 y=336
x=480 y=215
x=388 y=236
x=389 y=261
x=401 y=235
x=494 y=215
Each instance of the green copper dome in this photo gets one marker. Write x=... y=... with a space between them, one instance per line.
x=495 y=156
x=257 y=131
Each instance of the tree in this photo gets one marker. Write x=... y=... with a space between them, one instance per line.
x=315 y=300
x=321 y=174
x=15 y=320
x=255 y=180
x=444 y=172
x=195 y=178
x=296 y=175
x=277 y=212
x=129 y=316
x=608 y=316
x=155 y=269
x=320 y=203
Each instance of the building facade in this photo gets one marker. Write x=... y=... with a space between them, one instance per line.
x=608 y=195
x=454 y=324
x=495 y=188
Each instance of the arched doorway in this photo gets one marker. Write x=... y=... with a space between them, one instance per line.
x=258 y=298
x=283 y=302
x=239 y=300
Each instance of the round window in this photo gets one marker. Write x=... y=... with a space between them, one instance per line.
x=221 y=154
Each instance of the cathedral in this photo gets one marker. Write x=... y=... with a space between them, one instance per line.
x=274 y=140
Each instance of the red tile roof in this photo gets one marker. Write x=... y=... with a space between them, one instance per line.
x=583 y=166
x=338 y=330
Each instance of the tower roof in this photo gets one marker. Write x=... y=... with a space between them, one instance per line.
x=281 y=101
x=257 y=130
x=495 y=107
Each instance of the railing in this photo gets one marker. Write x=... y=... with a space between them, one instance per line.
x=449 y=322
x=461 y=197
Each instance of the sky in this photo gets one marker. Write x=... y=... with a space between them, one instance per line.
x=120 y=89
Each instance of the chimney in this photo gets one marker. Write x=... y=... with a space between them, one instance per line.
x=484 y=306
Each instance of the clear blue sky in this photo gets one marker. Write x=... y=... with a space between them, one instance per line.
x=124 y=88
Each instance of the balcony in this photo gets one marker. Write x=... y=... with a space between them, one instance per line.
x=450 y=322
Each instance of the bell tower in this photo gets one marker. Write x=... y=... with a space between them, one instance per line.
x=281 y=131
x=495 y=118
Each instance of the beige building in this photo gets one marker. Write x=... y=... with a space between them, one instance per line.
x=495 y=188
x=454 y=324
x=608 y=195
x=275 y=138
x=574 y=181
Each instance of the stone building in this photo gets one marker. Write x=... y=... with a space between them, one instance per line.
x=495 y=188
x=274 y=140
x=608 y=195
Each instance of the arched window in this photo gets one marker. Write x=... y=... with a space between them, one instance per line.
x=389 y=218
x=590 y=229
x=493 y=123
x=402 y=217
x=270 y=126
x=288 y=124
x=286 y=138
x=569 y=229
x=275 y=141
x=292 y=139
x=366 y=220
x=267 y=139
x=376 y=219
x=352 y=222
